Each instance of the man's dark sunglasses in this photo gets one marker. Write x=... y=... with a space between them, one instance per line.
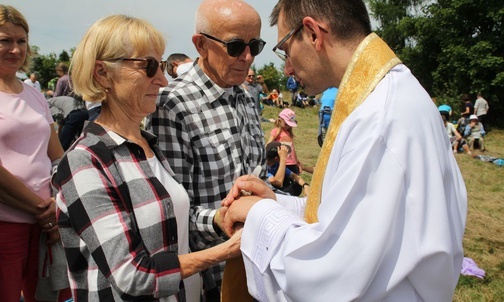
x=151 y=67
x=236 y=47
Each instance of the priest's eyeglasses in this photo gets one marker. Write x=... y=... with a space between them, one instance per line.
x=281 y=53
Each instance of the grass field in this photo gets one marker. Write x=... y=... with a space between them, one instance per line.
x=484 y=234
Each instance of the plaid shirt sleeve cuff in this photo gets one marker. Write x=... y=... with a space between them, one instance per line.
x=205 y=223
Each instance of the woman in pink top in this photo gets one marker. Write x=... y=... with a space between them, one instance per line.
x=28 y=146
x=283 y=133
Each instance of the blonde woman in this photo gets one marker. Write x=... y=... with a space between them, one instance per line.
x=123 y=214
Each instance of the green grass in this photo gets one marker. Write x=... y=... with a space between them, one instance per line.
x=484 y=234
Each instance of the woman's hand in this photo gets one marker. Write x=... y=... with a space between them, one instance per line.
x=47 y=219
x=233 y=245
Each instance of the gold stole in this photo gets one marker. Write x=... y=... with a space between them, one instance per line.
x=369 y=64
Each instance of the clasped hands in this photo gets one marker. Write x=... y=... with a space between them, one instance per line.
x=47 y=220
x=236 y=205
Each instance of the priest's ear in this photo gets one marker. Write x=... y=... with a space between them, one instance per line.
x=315 y=30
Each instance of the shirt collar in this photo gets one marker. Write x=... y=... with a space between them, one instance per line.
x=210 y=89
x=113 y=140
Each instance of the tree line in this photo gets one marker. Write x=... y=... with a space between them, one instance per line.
x=453 y=47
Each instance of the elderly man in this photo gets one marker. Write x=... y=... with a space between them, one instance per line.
x=207 y=125
x=386 y=213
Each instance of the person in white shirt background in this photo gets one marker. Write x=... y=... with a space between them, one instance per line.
x=178 y=64
x=481 y=109
x=32 y=81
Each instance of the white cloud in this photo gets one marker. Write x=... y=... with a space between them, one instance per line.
x=57 y=25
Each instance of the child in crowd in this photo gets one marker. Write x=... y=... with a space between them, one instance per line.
x=279 y=176
x=283 y=133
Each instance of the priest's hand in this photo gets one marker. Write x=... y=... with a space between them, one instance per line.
x=237 y=213
x=251 y=185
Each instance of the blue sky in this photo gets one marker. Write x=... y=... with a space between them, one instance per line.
x=57 y=25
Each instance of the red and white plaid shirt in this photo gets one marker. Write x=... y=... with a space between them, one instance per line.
x=116 y=220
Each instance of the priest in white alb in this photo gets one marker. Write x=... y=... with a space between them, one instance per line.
x=386 y=214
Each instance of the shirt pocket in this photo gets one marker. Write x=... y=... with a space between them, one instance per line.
x=214 y=153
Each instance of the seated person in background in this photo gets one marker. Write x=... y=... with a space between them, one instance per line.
x=265 y=100
x=281 y=100
x=279 y=176
x=474 y=133
x=461 y=124
x=274 y=98
x=302 y=100
x=456 y=139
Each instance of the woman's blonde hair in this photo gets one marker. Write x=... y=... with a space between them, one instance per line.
x=112 y=37
x=9 y=14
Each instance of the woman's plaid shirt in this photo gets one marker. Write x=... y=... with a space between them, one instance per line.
x=116 y=220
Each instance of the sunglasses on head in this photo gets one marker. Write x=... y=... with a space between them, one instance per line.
x=150 y=68
x=236 y=47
